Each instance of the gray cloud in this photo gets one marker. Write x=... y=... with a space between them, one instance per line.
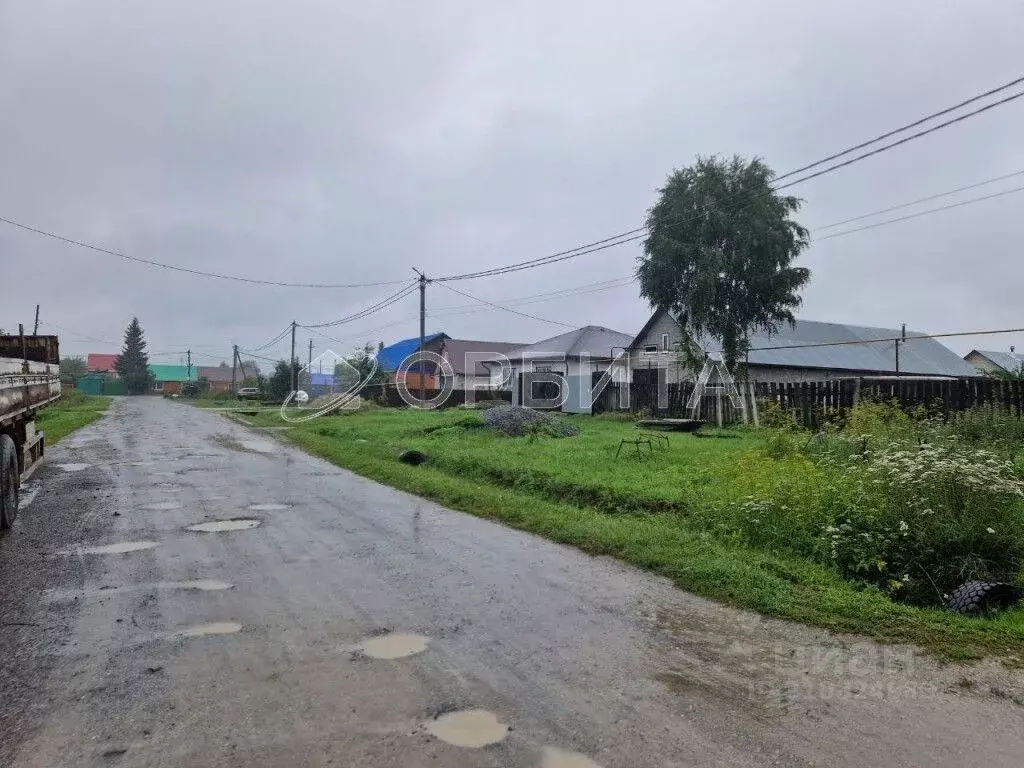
x=316 y=141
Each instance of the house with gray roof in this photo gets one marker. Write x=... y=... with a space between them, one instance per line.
x=990 y=362
x=806 y=351
x=576 y=356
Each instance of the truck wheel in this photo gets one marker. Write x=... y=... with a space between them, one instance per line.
x=984 y=596
x=9 y=480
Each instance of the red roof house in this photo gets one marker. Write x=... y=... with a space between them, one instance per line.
x=100 y=363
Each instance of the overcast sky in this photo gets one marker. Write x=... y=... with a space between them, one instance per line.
x=349 y=142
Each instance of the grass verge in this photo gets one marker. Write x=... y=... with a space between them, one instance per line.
x=535 y=485
x=72 y=412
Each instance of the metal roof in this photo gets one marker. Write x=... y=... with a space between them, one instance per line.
x=1008 y=361
x=463 y=354
x=917 y=355
x=173 y=372
x=392 y=356
x=920 y=356
x=100 y=361
x=588 y=341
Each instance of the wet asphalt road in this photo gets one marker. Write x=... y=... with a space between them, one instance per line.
x=106 y=661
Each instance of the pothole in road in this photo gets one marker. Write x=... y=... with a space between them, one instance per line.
x=163 y=505
x=560 y=758
x=396 y=645
x=218 y=526
x=165 y=474
x=268 y=507
x=72 y=467
x=215 y=628
x=472 y=728
x=112 y=549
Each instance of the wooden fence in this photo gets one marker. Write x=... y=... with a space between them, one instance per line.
x=815 y=402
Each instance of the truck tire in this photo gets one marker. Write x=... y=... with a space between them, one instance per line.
x=9 y=481
x=984 y=596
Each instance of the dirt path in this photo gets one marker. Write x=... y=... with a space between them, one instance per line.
x=274 y=641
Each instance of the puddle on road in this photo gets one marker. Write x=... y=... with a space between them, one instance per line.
x=201 y=585
x=268 y=507
x=560 y=758
x=165 y=474
x=112 y=549
x=472 y=728
x=396 y=645
x=216 y=628
x=217 y=526
x=73 y=467
x=163 y=505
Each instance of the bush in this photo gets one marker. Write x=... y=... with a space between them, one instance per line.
x=916 y=521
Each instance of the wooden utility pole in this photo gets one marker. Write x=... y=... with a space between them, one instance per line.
x=234 y=360
x=309 y=364
x=294 y=378
x=189 y=353
x=423 y=333
x=35 y=330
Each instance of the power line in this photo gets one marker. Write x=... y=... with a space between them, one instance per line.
x=506 y=309
x=276 y=339
x=382 y=304
x=906 y=127
x=639 y=232
x=919 y=200
x=889 y=339
x=188 y=270
x=539 y=298
x=553 y=259
x=911 y=137
x=922 y=213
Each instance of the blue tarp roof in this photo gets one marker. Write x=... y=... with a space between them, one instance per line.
x=391 y=357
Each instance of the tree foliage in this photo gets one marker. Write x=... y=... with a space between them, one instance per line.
x=71 y=368
x=279 y=384
x=362 y=360
x=132 y=365
x=720 y=253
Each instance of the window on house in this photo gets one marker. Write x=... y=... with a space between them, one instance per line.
x=651 y=349
x=158 y=387
x=542 y=368
x=664 y=342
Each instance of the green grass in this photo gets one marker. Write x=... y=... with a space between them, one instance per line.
x=72 y=412
x=658 y=513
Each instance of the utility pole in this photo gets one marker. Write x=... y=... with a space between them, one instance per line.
x=294 y=378
x=189 y=353
x=423 y=333
x=309 y=364
x=35 y=331
x=234 y=359
x=901 y=340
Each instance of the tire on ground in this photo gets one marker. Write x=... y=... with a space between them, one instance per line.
x=9 y=480
x=981 y=596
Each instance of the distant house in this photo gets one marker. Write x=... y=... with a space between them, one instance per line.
x=989 y=362
x=577 y=356
x=390 y=359
x=100 y=362
x=169 y=378
x=218 y=377
x=466 y=359
x=806 y=351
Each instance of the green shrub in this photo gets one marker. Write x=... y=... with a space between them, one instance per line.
x=916 y=521
x=774 y=416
